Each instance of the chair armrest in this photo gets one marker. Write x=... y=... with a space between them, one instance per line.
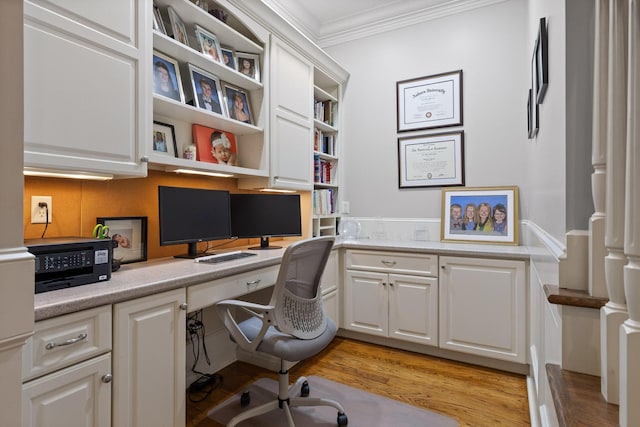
x=262 y=312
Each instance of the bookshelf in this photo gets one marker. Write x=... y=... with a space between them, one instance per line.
x=326 y=156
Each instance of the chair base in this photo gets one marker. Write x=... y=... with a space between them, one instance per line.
x=288 y=398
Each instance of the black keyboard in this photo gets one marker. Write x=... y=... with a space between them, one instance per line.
x=222 y=258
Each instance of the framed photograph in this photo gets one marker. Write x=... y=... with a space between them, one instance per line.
x=178 y=27
x=535 y=121
x=164 y=139
x=542 y=62
x=480 y=215
x=430 y=102
x=237 y=101
x=215 y=146
x=158 y=23
x=529 y=114
x=208 y=44
x=166 y=77
x=228 y=57
x=131 y=235
x=206 y=90
x=249 y=64
x=434 y=160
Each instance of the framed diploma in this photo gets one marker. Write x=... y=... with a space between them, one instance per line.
x=430 y=102
x=434 y=160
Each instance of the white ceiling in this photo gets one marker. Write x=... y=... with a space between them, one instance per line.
x=329 y=22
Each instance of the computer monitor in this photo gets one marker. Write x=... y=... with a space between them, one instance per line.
x=264 y=216
x=192 y=215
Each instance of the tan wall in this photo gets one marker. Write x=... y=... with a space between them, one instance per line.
x=77 y=203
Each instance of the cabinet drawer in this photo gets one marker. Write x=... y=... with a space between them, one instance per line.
x=209 y=293
x=394 y=262
x=65 y=340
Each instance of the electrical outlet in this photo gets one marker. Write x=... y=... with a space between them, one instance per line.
x=39 y=213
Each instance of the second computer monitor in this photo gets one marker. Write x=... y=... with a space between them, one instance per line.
x=264 y=216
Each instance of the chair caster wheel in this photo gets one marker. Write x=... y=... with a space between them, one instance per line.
x=245 y=398
x=304 y=390
x=342 y=419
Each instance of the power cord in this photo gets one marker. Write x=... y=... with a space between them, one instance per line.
x=206 y=383
x=46 y=224
x=231 y=240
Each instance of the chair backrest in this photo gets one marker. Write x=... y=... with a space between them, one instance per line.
x=296 y=296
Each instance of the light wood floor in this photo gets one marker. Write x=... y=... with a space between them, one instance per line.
x=472 y=395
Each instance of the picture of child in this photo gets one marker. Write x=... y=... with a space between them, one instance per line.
x=221 y=149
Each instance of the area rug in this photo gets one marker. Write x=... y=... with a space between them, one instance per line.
x=363 y=409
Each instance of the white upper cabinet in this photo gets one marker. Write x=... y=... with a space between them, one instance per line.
x=87 y=93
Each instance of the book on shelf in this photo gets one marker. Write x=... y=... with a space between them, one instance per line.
x=324 y=201
x=321 y=170
x=324 y=111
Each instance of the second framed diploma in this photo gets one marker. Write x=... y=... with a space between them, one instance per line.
x=435 y=160
x=430 y=102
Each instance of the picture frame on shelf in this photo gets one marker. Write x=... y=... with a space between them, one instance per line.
x=248 y=64
x=429 y=102
x=209 y=45
x=207 y=92
x=164 y=139
x=177 y=27
x=237 y=102
x=166 y=77
x=431 y=160
x=158 y=23
x=535 y=109
x=229 y=57
x=480 y=215
x=542 y=61
x=215 y=145
x=131 y=235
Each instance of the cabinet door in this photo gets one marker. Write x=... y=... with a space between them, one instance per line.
x=149 y=361
x=366 y=302
x=291 y=131
x=78 y=396
x=483 y=307
x=413 y=308
x=331 y=306
x=86 y=96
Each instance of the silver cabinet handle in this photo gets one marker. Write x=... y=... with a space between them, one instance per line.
x=388 y=263
x=254 y=282
x=79 y=338
x=107 y=378
x=184 y=306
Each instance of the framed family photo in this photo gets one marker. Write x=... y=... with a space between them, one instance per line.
x=542 y=61
x=215 y=146
x=430 y=102
x=206 y=90
x=480 y=215
x=166 y=77
x=208 y=44
x=433 y=160
x=158 y=23
x=249 y=64
x=164 y=139
x=130 y=233
x=228 y=57
x=178 y=27
x=237 y=101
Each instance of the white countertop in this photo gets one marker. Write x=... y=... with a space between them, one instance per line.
x=163 y=274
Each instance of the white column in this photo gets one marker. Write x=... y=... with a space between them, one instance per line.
x=615 y=311
x=597 y=251
x=630 y=330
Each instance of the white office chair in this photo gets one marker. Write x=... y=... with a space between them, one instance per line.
x=292 y=327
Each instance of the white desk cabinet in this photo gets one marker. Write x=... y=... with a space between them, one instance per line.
x=329 y=284
x=86 y=85
x=483 y=307
x=380 y=299
x=149 y=361
x=67 y=371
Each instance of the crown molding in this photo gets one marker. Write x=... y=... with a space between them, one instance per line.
x=381 y=20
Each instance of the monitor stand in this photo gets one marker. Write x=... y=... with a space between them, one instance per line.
x=264 y=244
x=192 y=252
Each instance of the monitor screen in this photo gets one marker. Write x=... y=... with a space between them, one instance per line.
x=264 y=216
x=192 y=215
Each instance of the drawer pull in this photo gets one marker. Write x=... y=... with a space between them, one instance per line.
x=388 y=263
x=254 y=282
x=107 y=378
x=79 y=338
x=184 y=306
